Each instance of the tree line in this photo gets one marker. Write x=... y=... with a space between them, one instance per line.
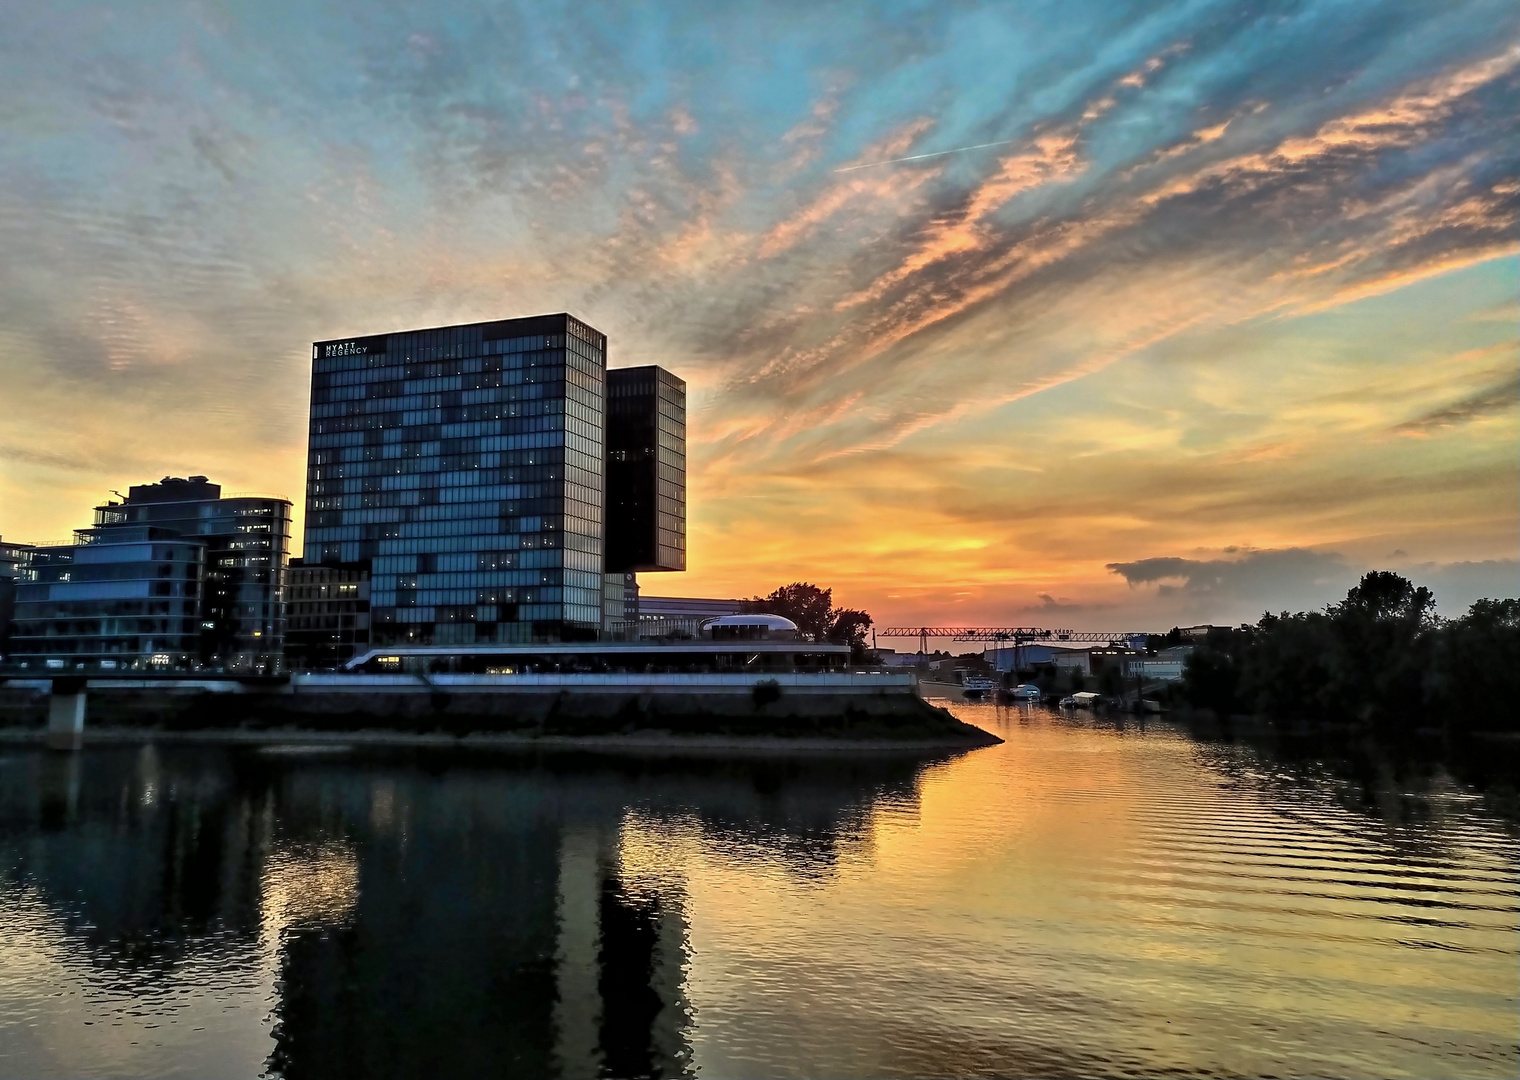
x=1381 y=658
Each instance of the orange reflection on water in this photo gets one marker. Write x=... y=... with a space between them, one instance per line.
x=1088 y=898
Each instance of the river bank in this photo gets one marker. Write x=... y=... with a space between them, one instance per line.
x=654 y=743
x=765 y=718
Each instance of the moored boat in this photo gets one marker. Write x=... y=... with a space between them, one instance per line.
x=976 y=687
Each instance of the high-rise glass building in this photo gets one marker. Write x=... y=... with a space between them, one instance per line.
x=465 y=466
x=646 y=470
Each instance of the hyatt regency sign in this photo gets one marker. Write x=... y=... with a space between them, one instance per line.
x=344 y=348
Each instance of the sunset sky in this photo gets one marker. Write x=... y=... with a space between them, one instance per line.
x=1079 y=314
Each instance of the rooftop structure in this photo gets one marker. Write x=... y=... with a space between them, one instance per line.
x=751 y=627
x=673 y=616
x=687 y=607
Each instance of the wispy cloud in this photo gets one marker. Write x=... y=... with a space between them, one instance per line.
x=924 y=157
x=999 y=297
x=1501 y=397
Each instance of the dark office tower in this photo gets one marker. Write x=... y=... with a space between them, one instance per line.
x=464 y=466
x=646 y=470
x=327 y=611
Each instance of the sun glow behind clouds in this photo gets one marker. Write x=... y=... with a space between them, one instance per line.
x=1209 y=280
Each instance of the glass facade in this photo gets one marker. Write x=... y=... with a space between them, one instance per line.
x=120 y=593
x=14 y=560
x=646 y=470
x=464 y=467
x=129 y=597
x=327 y=612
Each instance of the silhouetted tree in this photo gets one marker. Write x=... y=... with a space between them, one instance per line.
x=1475 y=681
x=1211 y=675
x=848 y=626
x=1288 y=667
x=805 y=604
x=812 y=609
x=1380 y=657
x=1381 y=648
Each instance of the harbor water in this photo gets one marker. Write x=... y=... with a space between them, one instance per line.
x=1092 y=897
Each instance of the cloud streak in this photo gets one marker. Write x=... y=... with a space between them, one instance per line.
x=924 y=157
x=1183 y=278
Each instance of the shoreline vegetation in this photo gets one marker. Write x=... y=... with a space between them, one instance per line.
x=1380 y=681
x=1381 y=660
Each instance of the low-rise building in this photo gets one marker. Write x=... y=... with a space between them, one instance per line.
x=120 y=595
x=126 y=597
x=1167 y=665
x=672 y=616
x=326 y=613
x=14 y=561
x=1159 y=670
x=749 y=645
x=1029 y=657
x=1112 y=658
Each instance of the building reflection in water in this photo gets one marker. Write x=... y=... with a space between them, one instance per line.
x=620 y=1005
x=410 y=916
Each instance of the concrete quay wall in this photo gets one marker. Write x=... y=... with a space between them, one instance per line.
x=834 y=705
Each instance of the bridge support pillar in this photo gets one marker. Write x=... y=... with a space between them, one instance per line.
x=65 y=730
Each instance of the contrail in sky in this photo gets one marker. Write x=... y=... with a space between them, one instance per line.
x=920 y=157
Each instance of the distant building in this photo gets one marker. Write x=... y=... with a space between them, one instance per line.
x=327 y=615
x=1028 y=657
x=1168 y=665
x=128 y=596
x=1162 y=670
x=687 y=607
x=14 y=561
x=174 y=575
x=676 y=616
x=13 y=558
x=1113 y=658
x=468 y=467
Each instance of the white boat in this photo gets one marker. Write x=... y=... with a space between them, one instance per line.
x=1085 y=700
x=976 y=686
x=1027 y=692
